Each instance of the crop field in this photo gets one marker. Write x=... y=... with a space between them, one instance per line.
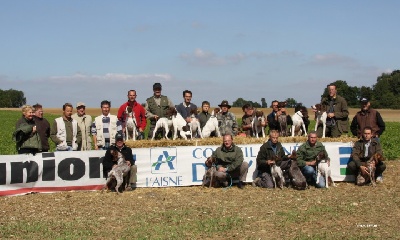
x=344 y=212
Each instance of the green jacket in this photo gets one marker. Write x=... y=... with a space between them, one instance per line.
x=267 y=153
x=229 y=158
x=159 y=110
x=359 y=150
x=306 y=153
x=23 y=135
x=341 y=112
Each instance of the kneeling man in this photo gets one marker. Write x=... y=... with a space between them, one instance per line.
x=109 y=162
x=230 y=162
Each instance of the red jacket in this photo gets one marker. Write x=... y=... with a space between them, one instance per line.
x=140 y=114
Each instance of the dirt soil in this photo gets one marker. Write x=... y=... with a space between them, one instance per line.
x=347 y=211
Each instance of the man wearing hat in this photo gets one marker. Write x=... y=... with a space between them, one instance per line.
x=367 y=117
x=84 y=123
x=156 y=107
x=109 y=162
x=226 y=120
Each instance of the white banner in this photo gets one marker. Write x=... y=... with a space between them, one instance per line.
x=157 y=167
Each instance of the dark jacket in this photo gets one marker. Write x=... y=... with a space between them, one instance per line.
x=203 y=118
x=184 y=110
x=273 y=122
x=43 y=129
x=24 y=137
x=109 y=162
x=371 y=118
x=358 y=154
x=339 y=107
x=266 y=152
x=306 y=153
x=229 y=158
x=159 y=110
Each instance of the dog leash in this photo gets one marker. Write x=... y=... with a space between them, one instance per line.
x=230 y=184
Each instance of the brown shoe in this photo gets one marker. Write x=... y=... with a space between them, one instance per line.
x=255 y=182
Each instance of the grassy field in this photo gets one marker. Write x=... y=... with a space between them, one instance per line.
x=344 y=212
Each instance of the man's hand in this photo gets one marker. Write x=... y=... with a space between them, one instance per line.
x=364 y=170
x=270 y=162
x=115 y=165
x=221 y=169
x=128 y=163
x=312 y=163
x=331 y=115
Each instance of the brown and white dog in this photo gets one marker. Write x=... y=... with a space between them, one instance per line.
x=211 y=125
x=179 y=124
x=130 y=124
x=118 y=171
x=195 y=124
x=371 y=165
x=277 y=174
x=320 y=117
x=324 y=169
x=258 y=124
x=209 y=174
x=282 y=119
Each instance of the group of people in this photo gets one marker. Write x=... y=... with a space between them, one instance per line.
x=75 y=132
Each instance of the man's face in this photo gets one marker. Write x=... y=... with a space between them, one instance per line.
x=105 y=109
x=228 y=141
x=187 y=98
x=224 y=109
x=365 y=105
x=68 y=112
x=312 y=139
x=274 y=138
x=332 y=91
x=119 y=142
x=275 y=106
x=132 y=96
x=157 y=92
x=80 y=110
x=39 y=113
x=249 y=111
x=367 y=134
x=206 y=107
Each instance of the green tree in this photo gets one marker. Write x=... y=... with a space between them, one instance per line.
x=386 y=92
x=12 y=98
x=291 y=102
x=263 y=103
x=240 y=102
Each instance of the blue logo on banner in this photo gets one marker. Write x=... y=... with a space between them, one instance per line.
x=344 y=159
x=165 y=161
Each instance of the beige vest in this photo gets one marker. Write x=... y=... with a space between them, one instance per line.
x=62 y=134
x=100 y=141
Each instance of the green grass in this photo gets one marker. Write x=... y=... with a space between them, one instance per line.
x=389 y=139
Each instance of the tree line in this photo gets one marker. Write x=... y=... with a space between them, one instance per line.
x=384 y=94
x=12 y=98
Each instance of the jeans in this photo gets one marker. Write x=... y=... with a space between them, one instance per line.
x=311 y=176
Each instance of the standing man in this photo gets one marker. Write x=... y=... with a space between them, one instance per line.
x=367 y=117
x=156 y=107
x=65 y=132
x=306 y=159
x=42 y=127
x=109 y=162
x=337 y=121
x=230 y=162
x=84 y=123
x=363 y=150
x=105 y=127
x=137 y=109
x=226 y=120
x=186 y=107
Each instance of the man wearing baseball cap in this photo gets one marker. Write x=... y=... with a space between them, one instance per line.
x=367 y=117
x=156 y=107
x=84 y=123
x=109 y=162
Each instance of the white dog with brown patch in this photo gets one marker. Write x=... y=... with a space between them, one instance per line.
x=211 y=125
x=324 y=169
x=320 y=117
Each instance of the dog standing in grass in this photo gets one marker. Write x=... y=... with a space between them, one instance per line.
x=119 y=159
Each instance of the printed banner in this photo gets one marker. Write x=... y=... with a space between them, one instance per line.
x=157 y=167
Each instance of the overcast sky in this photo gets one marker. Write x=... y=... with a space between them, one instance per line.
x=70 y=51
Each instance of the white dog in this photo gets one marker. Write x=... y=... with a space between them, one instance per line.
x=320 y=117
x=179 y=123
x=323 y=169
x=130 y=124
x=211 y=125
x=162 y=123
x=195 y=124
x=298 y=122
x=276 y=172
x=257 y=124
